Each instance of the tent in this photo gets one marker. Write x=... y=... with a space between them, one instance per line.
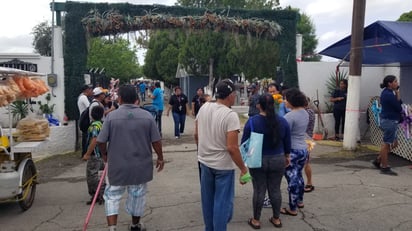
x=383 y=42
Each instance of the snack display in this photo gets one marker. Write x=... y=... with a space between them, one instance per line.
x=9 y=91
x=30 y=87
x=12 y=88
x=31 y=129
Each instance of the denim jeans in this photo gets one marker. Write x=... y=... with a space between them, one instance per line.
x=389 y=128
x=143 y=96
x=218 y=192
x=159 y=120
x=179 y=119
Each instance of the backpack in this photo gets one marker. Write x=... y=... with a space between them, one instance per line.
x=84 y=120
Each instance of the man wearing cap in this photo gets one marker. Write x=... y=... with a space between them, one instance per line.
x=98 y=98
x=83 y=103
x=253 y=100
x=217 y=128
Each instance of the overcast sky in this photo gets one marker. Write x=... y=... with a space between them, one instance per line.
x=332 y=18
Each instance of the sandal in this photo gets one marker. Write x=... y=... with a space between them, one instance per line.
x=285 y=211
x=309 y=188
x=271 y=220
x=301 y=206
x=253 y=225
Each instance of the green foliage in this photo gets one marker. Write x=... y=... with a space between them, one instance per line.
x=46 y=108
x=406 y=17
x=122 y=63
x=75 y=41
x=42 y=39
x=310 y=42
x=162 y=56
x=19 y=109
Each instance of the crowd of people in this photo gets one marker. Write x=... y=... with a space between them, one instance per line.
x=286 y=126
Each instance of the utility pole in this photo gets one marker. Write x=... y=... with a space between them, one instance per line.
x=355 y=72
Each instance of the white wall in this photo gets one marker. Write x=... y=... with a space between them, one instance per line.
x=62 y=140
x=313 y=76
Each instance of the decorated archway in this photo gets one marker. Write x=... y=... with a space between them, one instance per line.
x=83 y=20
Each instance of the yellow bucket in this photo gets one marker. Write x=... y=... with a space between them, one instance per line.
x=4 y=141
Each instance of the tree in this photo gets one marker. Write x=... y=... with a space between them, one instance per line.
x=116 y=56
x=162 y=56
x=310 y=42
x=220 y=55
x=406 y=17
x=42 y=40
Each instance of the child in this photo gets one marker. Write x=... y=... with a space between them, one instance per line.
x=93 y=156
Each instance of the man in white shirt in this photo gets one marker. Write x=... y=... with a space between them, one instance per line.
x=216 y=133
x=83 y=102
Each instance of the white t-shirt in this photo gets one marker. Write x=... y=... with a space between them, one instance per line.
x=214 y=122
x=82 y=103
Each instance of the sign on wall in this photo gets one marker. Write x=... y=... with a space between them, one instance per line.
x=18 y=64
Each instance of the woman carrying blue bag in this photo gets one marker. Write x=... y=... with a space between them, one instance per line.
x=275 y=157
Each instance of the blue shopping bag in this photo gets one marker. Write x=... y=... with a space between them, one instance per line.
x=251 y=149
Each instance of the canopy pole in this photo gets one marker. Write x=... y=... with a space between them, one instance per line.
x=351 y=130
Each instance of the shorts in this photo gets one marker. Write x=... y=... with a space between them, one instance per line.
x=135 y=202
x=389 y=128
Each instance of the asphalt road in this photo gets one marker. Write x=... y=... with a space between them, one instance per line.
x=349 y=195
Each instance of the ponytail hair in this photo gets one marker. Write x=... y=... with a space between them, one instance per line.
x=388 y=79
x=267 y=104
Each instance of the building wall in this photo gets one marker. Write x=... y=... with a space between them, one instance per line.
x=312 y=79
x=62 y=140
x=406 y=81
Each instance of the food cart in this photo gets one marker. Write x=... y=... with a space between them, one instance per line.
x=18 y=174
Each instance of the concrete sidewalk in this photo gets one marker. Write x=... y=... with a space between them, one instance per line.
x=349 y=195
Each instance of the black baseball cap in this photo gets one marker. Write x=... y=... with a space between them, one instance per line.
x=87 y=86
x=224 y=88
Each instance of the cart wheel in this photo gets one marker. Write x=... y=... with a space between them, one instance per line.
x=30 y=189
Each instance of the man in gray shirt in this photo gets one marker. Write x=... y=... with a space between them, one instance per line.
x=130 y=132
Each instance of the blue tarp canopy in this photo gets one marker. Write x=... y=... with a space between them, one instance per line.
x=383 y=42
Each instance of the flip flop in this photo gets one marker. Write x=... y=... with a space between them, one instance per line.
x=309 y=188
x=301 y=206
x=284 y=211
x=253 y=225
x=274 y=224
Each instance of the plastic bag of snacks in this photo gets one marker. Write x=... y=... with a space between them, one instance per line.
x=32 y=129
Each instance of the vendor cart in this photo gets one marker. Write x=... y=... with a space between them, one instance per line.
x=18 y=174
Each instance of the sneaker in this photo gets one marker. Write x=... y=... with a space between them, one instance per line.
x=388 y=171
x=376 y=163
x=177 y=137
x=266 y=203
